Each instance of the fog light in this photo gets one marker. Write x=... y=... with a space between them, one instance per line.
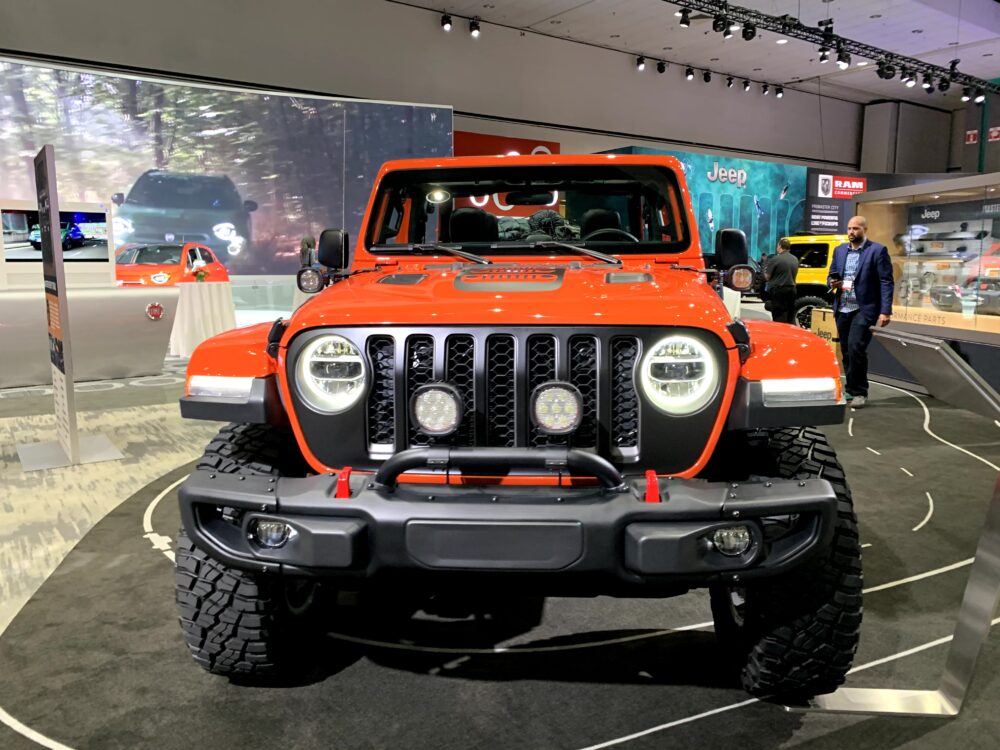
x=732 y=540
x=437 y=409
x=270 y=533
x=309 y=280
x=556 y=408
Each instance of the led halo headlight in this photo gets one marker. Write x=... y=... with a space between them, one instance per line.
x=679 y=375
x=436 y=409
x=556 y=408
x=330 y=374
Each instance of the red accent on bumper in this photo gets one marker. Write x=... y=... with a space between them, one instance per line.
x=652 y=487
x=343 y=484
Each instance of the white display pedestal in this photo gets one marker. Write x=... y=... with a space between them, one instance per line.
x=204 y=309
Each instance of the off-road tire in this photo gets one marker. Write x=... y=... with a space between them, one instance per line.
x=804 y=307
x=797 y=634
x=237 y=623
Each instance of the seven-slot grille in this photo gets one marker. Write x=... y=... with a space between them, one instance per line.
x=496 y=374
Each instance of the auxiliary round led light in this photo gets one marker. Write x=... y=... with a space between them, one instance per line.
x=330 y=373
x=556 y=408
x=309 y=280
x=436 y=409
x=271 y=534
x=679 y=375
x=732 y=540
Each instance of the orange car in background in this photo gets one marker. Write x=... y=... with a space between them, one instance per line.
x=167 y=264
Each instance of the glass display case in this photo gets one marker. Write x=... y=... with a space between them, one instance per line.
x=944 y=241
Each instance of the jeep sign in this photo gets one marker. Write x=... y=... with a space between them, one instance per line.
x=738 y=177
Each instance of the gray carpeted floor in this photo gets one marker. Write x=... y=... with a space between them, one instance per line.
x=95 y=659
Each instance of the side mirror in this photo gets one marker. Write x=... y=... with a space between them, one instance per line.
x=249 y=206
x=310 y=280
x=118 y=198
x=334 y=249
x=731 y=249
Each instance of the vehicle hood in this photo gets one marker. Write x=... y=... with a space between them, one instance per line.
x=148 y=274
x=148 y=219
x=539 y=293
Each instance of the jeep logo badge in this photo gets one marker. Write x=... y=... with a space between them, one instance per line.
x=510 y=279
x=928 y=214
x=154 y=311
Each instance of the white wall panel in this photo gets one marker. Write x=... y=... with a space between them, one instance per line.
x=379 y=50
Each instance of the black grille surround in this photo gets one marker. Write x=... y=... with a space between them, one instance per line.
x=495 y=371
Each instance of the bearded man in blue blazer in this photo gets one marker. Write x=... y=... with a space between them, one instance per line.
x=861 y=278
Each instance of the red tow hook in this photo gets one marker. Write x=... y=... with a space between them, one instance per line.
x=343 y=484
x=652 y=487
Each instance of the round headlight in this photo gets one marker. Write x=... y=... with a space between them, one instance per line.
x=309 y=280
x=556 y=408
x=330 y=374
x=437 y=409
x=679 y=375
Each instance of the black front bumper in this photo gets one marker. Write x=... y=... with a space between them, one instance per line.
x=597 y=539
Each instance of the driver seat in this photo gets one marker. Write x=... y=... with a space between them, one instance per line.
x=599 y=218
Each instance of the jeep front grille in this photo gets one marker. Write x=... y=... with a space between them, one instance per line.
x=496 y=374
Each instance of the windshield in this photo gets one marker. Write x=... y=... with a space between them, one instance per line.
x=166 y=190
x=157 y=255
x=497 y=210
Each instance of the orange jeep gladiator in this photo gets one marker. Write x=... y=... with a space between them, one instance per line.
x=523 y=383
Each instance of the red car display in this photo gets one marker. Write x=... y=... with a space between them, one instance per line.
x=167 y=264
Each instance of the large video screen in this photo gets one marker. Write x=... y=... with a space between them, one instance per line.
x=247 y=174
x=84 y=235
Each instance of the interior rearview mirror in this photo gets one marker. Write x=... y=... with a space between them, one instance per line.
x=334 y=249
x=731 y=249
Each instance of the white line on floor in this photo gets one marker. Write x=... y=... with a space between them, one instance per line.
x=996 y=422
x=930 y=512
x=159 y=542
x=919 y=576
x=31 y=734
x=850 y=426
x=741 y=704
x=864 y=546
x=873 y=450
x=927 y=429
x=905 y=471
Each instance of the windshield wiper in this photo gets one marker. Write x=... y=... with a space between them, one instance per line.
x=436 y=247
x=578 y=249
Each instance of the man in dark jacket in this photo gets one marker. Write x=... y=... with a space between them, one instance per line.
x=780 y=275
x=861 y=277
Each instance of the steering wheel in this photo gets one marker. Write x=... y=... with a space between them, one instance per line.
x=610 y=231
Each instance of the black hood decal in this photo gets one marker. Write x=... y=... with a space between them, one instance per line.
x=510 y=279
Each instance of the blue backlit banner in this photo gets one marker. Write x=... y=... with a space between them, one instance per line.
x=765 y=199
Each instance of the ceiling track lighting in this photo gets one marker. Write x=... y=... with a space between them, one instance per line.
x=727 y=33
x=824 y=55
x=779 y=92
x=928 y=83
x=843 y=58
x=980 y=96
x=729 y=82
x=720 y=23
x=765 y=89
x=640 y=63
x=707 y=76
x=746 y=85
x=446 y=22
x=944 y=83
x=685 y=21
x=474 y=27
x=966 y=94
x=749 y=31
x=689 y=73
x=661 y=67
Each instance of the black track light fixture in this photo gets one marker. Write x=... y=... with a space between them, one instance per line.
x=729 y=82
x=928 y=83
x=446 y=22
x=944 y=84
x=707 y=76
x=727 y=33
x=685 y=18
x=779 y=92
x=689 y=73
x=661 y=67
x=980 y=96
x=746 y=86
x=824 y=54
x=749 y=31
x=720 y=23
x=765 y=89
x=640 y=63
x=474 y=27
x=843 y=58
